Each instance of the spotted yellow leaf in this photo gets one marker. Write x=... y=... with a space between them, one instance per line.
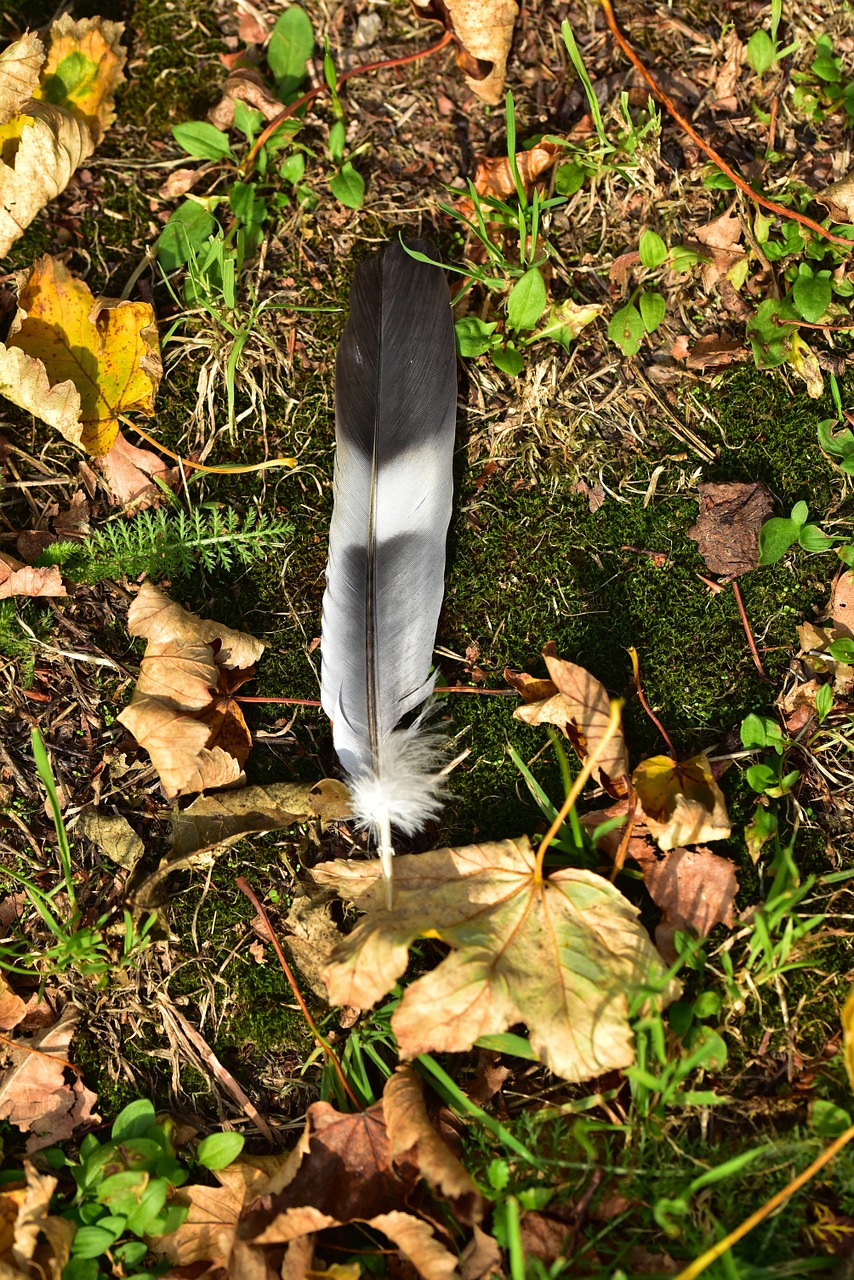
x=78 y=362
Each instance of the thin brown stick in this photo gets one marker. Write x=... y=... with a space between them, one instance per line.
x=41 y=1053
x=745 y=622
x=289 y=111
x=704 y=146
x=809 y=324
x=200 y=466
x=246 y=888
x=626 y=837
x=291 y=702
x=633 y=654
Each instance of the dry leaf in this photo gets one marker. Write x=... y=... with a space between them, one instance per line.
x=33 y=1242
x=481 y=1259
x=34 y=1094
x=20 y=64
x=220 y=820
x=408 y=1126
x=722 y=236
x=494 y=177
x=12 y=1007
x=311 y=936
x=815 y=645
x=578 y=704
x=74 y=521
x=712 y=352
x=838 y=199
x=130 y=473
x=729 y=75
x=75 y=361
x=182 y=711
x=113 y=835
x=727 y=529
x=244 y=85
x=83 y=70
x=17 y=579
x=560 y=955
x=681 y=803
x=485 y=31
x=695 y=890
x=50 y=133
x=842 y=604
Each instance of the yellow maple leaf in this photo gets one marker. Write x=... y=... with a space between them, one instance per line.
x=78 y=362
x=682 y=803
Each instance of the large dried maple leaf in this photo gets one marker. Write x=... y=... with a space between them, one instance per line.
x=485 y=32
x=34 y=1094
x=578 y=704
x=75 y=361
x=183 y=710
x=561 y=954
x=681 y=803
x=53 y=113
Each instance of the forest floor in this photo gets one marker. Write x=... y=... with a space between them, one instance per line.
x=577 y=486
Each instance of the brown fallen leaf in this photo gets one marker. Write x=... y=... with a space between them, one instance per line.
x=722 y=237
x=681 y=804
x=311 y=935
x=695 y=890
x=560 y=955
x=17 y=579
x=33 y=1242
x=841 y=608
x=34 y=1094
x=12 y=1007
x=481 y=1259
x=714 y=352
x=244 y=85
x=578 y=704
x=798 y=706
x=494 y=177
x=182 y=711
x=113 y=835
x=50 y=132
x=485 y=30
x=218 y=821
x=179 y=182
x=727 y=528
x=130 y=474
x=838 y=199
x=74 y=521
x=75 y=361
x=815 y=650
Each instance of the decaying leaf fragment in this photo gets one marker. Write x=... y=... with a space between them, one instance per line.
x=838 y=199
x=33 y=1241
x=485 y=31
x=727 y=528
x=561 y=954
x=578 y=704
x=365 y=1167
x=681 y=803
x=53 y=113
x=17 y=579
x=182 y=710
x=220 y=820
x=75 y=361
x=694 y=888
x=34 y=1093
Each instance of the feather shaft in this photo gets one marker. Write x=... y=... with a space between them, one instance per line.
x=395 y=411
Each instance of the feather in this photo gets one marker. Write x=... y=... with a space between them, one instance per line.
x=395 y=410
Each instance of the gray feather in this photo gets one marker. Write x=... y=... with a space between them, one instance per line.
x=395 y=408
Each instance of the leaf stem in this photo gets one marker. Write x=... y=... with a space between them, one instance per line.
x=577 y=787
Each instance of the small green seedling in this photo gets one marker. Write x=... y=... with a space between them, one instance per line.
x=763 y=50
x=123 y=1191
x=778 y=534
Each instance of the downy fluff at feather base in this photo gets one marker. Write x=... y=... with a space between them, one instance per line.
x=395 y=412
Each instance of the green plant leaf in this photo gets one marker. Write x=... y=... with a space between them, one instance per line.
x=292 y=169
x=348 y=187
x=91 y=1242
x=775 y=538
x=842 y=650
x=760 y=52
x=626 y=329
x=799 y=513
x=825 y=66
x=241 y=199
x=474 y=336
x=752 y=732
x=290 y=46
x=812 y=539
x=219 y=1150
x=337 y=139
x=652 y=250
x=569 y=178
x=508 y=360
x=188 y=229
x=527 y=300
x=652 y=309
x=247 y=119
x=828 y=1120
x=824 y=702
x=133 y=1121
x=682 y=259
x=760 y=777
x=812 y=295
x=202 y=141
